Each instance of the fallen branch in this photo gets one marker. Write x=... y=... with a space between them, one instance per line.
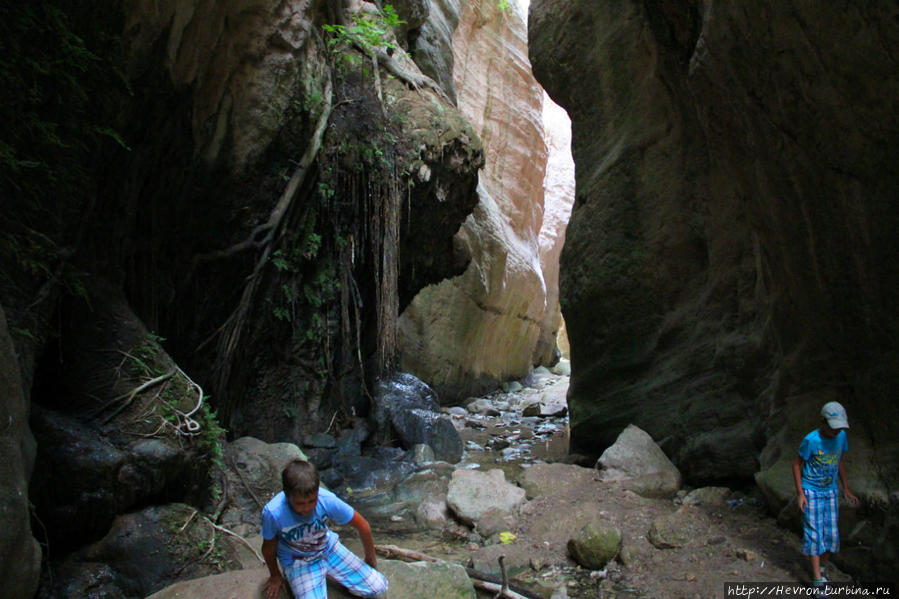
x=394 y=552
x=245 y=484
x=237 y=536
x=492 y=587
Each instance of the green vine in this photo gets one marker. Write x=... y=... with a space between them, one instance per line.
x=368 y=30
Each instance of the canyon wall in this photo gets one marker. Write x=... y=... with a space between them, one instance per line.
x=500 y=317
x=731 y=257
x=261 y=197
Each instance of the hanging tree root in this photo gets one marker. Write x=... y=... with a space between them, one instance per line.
x=229 y=333
x=263 y=235
x=127 y=398
x=479 y=579
x=415 y=80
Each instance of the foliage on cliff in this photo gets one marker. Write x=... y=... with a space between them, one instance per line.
x=56 y=89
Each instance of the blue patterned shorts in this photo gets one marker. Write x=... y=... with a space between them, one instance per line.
x=307 y=579
x=819 y=522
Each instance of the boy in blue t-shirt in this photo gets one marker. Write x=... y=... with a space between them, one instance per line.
x=296 y=535
x=817 y=470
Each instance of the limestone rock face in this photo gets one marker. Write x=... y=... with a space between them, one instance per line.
x=431 y=47
x=558 y=199
x=21 y=554
x=487 y=325
x=241 y=59
x=726 y=251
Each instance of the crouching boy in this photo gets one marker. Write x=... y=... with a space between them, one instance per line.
x=295 y=534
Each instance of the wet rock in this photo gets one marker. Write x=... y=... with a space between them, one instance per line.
x=422 y=454
x=143 y=552
x=595 y=545
x=483 y=406
x=498 y=443
x=512 y=387
x=364 y=475
x=563 y=368
x=320 y=440
x=635 y=461
x=531 y=407
x=349 y=442
x=406 y=408
x=472 y=493
x=20 y=551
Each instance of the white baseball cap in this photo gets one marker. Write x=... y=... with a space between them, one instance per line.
x=835 y=415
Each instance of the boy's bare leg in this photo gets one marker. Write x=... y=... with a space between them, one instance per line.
x=816 y=567
x=825 y=559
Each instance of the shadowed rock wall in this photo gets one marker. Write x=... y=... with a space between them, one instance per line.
x=731 y=260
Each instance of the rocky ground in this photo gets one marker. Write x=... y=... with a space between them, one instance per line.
x=708 y=537
x=515 y=495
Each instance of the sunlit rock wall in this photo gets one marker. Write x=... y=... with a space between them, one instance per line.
x=731 y=260
x=488 y=325
x=558 y=197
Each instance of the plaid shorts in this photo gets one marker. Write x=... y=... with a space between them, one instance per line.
x=307 y=579
x=819 y=522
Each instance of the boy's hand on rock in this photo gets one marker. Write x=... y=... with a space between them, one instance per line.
x=852 y=497
x=273 y=587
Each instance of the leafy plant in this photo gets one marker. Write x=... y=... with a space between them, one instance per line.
x=367 y=30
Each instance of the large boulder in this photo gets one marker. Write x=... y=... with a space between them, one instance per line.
x=21 y=561
x=144 y=552
x=472 y=493
x=118 y=424
x=253 y=473
x=635 y=461
x=407 y=409
x=436 y=580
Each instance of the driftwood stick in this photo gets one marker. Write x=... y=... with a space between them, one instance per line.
x=246 y=485
x=492 y=587
x=505 y=587
x=394 y=552
x=235 y=535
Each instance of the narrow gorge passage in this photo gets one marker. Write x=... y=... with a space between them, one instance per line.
x=240 y=233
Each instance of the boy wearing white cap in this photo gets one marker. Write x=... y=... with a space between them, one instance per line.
x=817 y=470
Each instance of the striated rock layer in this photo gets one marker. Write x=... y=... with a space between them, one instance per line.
x=500 y=317
x=731 y=259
